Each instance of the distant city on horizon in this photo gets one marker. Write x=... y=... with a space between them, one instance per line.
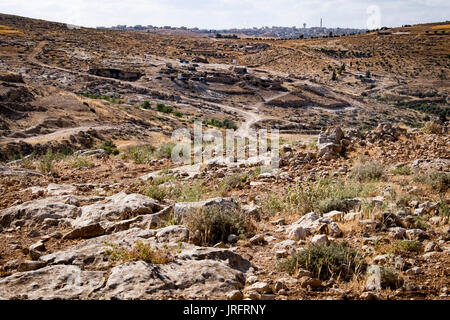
x=279 y=32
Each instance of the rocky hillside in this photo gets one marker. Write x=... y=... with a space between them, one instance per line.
x=359 y=216
x=93 y=207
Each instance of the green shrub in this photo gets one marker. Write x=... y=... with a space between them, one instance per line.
x=146 y=105
x=273 y=204
x=190 y=192
x=420 y=222
x=178 y=114
x=110 y=147
x=229 y=124
x=324 y=195
x=165 y=150
x=46 y=162
x=444 y=209
x=402 y=170
x=141 y=251
x=338 y=260
x=402 y=246
x=159 y=189
x=156 y=192
x=234 y=181
x=313 y=144
x=211 y=225
x=79 y=162
x=368 y=171
x=390 y=278
x=163 y=108
x=213 y=122
x=331 y=204
x=156 y=189
x=433 y=128
x=141 y=154
x=438 y=181
x=334 y=76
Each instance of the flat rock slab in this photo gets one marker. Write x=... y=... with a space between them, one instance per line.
x=53 y=282
x=117 y=207
x=34 y=212
x=192 y=272
x=190 y=279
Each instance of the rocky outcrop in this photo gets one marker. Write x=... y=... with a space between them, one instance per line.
x=141 y=280
x=12 y=172
x=106 y=215
x=54 y=282
x=432 y=164
x=34 y=213
x=312 y=224
x=116 y=74
x=331 y=143
x=385 y=131
x=212 y=273
x=117 y=207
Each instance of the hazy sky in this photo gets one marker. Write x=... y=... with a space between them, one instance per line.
x=217 y=14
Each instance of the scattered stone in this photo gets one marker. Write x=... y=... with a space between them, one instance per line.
x=335 y=215
x=329 y=143
x=413 y=234
x=414 y=270
x=260 y=287
x=86 y=153
x=397 y=233
x=252 y=279
x=88 y=231
x=235 y=295
x=11 y=265
x=432 y=246
x=303 y=273
x=117 y=207
x=257 y=239
x=252 y=211
x=306 y=281
x=29 y=265
x=334 y=230
x=34 y=234
x=279 y=285
x=298 y=233
x=288 y=245
x=373 y=282
x=232 y=238
x=173 y=234
x=279 y=222
x=253 y=295
x=34 y=212
x=320 y=239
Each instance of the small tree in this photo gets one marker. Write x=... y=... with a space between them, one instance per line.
x=146 y=105
x=334 y=77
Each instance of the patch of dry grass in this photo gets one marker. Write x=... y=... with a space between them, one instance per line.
x=140 y=251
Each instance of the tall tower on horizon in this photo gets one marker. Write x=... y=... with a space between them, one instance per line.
x=321 y=22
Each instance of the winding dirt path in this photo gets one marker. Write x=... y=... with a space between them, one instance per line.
x=250 y=117
x=58 y=134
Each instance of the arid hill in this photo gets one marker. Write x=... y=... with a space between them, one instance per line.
x=93 y=207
